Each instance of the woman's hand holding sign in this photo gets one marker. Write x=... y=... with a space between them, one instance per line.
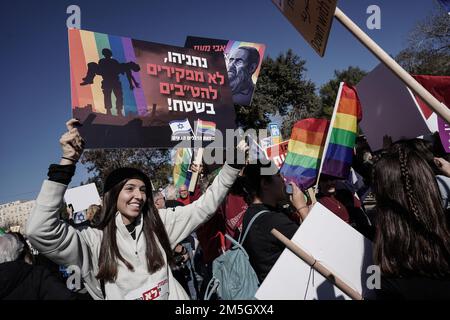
x=72 y=144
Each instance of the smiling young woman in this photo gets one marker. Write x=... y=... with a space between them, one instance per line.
x=128 y=255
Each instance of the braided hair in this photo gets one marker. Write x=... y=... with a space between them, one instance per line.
x=413 y=234
x=406 y=181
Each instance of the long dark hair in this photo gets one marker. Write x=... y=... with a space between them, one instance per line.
x=250 y=183
x=412 y=236
x=152 y=225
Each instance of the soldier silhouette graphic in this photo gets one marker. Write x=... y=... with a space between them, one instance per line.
x=110 y=69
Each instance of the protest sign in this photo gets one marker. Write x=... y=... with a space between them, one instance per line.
x=82 y=197
x=313 y=19
x=277 y=153
x=444 y=134
x=275 y=133
x=388 y=108
x=243 y=60
x=330 y=240
x=126 y=91
x=439 y=87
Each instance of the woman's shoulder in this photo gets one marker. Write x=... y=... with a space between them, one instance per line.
x=268 y=215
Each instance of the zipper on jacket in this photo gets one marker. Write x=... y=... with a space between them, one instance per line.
x=136 y=244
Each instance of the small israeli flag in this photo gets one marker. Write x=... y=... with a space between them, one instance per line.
x=180 y=126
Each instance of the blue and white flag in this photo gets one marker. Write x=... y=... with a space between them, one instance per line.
x=256 y=150
x=180 y=126
x=79 y=217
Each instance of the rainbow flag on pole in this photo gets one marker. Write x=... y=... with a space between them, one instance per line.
x=342 y=134
x=181 y=173
x=305 y=151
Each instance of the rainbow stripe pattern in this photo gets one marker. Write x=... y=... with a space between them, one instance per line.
x=86 y=47
x=305 y=151
x=344 y=128
x=182 y=160
x=206 y=128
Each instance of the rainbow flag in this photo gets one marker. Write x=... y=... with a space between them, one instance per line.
x=181 y=173
x=206 y=128
x=305 y=152
x=343 y=131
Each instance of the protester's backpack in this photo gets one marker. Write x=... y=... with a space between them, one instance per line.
x=233 y=278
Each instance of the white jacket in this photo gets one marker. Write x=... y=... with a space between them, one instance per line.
x=65 y=245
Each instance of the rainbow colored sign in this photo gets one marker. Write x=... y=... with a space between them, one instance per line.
x=127 y=91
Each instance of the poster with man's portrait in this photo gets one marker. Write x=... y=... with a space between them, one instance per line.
x=243 y=60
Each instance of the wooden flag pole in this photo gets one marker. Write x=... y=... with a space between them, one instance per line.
x=198 y=160
x=437 y=106
x=316 y=265
x=312 y=195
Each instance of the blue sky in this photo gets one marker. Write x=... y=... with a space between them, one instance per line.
x=35 y=87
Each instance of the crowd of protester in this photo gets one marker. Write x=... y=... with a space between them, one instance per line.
x=168 y=239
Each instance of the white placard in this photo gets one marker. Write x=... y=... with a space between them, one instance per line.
x=388 y=108
x=82 y=197
x=330 y=240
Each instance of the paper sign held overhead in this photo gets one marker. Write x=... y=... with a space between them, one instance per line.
x=388 y=108
x=312 y=18
x=82 y=197
x=130 y=93
x=335 y=244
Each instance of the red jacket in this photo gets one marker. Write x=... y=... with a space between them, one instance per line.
x=335 y=206
x=227 y=220
x=192 y=196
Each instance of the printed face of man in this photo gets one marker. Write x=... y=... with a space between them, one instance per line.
x=239 y=70
x=183 y=192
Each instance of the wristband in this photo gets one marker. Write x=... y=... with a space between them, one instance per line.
x=70 y=159
x=298 y=210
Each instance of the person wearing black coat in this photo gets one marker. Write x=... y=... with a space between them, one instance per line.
x=266 y=192
x=22 y=281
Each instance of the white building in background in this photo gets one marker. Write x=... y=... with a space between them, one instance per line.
x=15 y=214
